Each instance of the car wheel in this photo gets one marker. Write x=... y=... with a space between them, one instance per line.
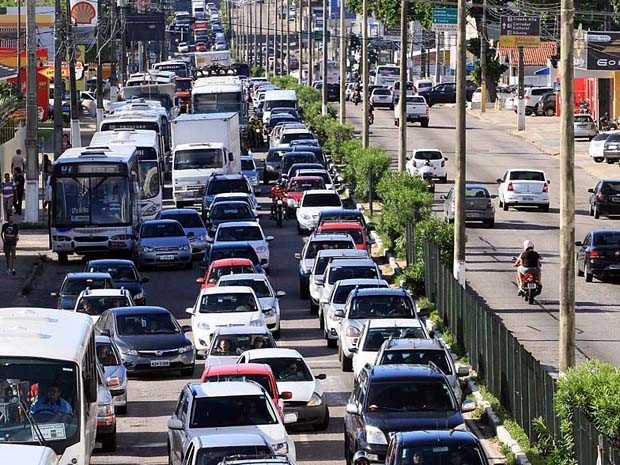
x=596 y=212
x=501 y=204
x=598 y=159
x=443 y=179
x=108 y=441
x=610 y=162
x=187 y=371
x=424 y=123
x=346 y=364
x=490 y=223
x=121 y=409
x=276 y=334
x=591 y=211
x=324 y=423
x=550 y=112
x=528 y=112
x=321 y=320
x=579 y=272
x=505 y=206
x=169 y=453
x=348 y=455
x=63 y=258
x=331 y=343
x=589 y=276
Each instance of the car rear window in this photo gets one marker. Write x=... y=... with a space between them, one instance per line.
x=75 y=286
x=607 y=238
x=235 y=252
x=381 y=92
x=601 y=136
x=526 y=176
x=611 y=187
x=342 y=292
x=417 y=357
x=377 y=336
x=316 y=245
x=381 y=306
x=263 y=380
x=321 y=200
x=539 y=91
x=338 y=273
x=583 y=119
x=477 y=192
x=222 y=186
x=428 y=155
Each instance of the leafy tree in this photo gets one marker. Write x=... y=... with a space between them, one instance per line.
x=494 y=68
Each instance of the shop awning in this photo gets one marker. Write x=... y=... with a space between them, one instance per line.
x=542 y=72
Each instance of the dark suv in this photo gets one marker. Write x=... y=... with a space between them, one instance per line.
x=392 y=398
x=223 y=184
x=546 y=105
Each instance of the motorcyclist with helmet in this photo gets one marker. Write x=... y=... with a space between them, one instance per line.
x=527 y=262
x=277 y=192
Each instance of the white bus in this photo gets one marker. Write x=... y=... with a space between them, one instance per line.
x=95 y=200
x=278 y=99
x=387 y=75
x=178 y=67
x=218 y=97
x=48 y=356
x=151 y=162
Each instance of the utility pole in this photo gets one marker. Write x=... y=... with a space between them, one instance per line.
x=76 y=139
x=521 y=93
x=300 y=48
x=310 y=47
x=276 y=48
x=437 y=56
x=260 y=34
x=58 y=82
x=252 y=9
x=99 y=82
x=268 y=40
x=32 y=155
x=483 y=59
x=343 y=65
x=123 y=42
x=288 y=38
x=365 y=126
x=324 y=64
x=460 y=149
x=402 y=99
x=19 y=49
x=567 y=189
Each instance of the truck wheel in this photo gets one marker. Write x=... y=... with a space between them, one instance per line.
x=424 y=123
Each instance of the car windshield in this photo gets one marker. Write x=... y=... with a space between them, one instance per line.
x=610 y=188
x=263 y=380
x=341 y=293
x=228 y=185
x=241 y=233
x=236 y=344
x=226 y=411
x=477 y=192
x=583 y=119
x=444 y=453
x=527 y=176
x=97 y=305
x=74 y=286
x=187 y=220
x=46 y=388
x=107 y=355
x=146 y=324
x=609 y=238
x=287 y=368
x=247 y=165
x=305 y=184
x=239 y=302
x=337 y=273
x=219 y=271
x=118 y=272
x=377 y=306
x=215 y=455
x=321 y=200
x=290 y=160
x=411 y=396
x=377 y=336
x=226 y=211
x=234 y=252
x=276 y=155
x=150 y=230
x=415 y=100
x=417 y=357
x=198 y=159
x=316 y=245
x=601 y=136
x=428 y=155
x=260 y=287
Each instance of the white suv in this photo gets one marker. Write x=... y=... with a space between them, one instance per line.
x=434 y=157
x=532 y=96
x=223 y=306
x=228 y=407
x=312 y=202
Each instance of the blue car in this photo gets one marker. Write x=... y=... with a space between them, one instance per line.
x=248 y=169
x=192 y=223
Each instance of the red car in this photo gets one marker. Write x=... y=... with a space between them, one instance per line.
x=257 y=372
x=355 y=230
x=225 y=266
x=298 y=185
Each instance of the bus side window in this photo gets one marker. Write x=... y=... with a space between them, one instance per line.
x=89 y=372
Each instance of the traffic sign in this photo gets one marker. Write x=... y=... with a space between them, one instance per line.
x=445 y=19
x=519 y=31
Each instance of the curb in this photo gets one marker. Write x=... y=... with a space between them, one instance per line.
x=27 y=286
x=396 y=269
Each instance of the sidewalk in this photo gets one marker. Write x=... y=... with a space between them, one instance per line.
x=544 y=133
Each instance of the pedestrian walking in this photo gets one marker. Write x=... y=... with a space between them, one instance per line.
x=8 y=191
x=47 y=172
x=18 y=161
x=10 y=236
x=66 y=144
x=20 y=183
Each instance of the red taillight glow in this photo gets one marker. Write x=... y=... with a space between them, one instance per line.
x=428 y=108
x=601 y=197
x=414 y=164
x=546 y=188
x=489 y=204
x=593 y=253
x=509 y=188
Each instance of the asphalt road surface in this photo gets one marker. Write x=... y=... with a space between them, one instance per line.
x=490 y=152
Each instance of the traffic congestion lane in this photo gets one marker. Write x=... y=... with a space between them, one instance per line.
x=490 y=152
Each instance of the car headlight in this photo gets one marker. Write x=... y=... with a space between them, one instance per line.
x=280 y=448
x=270 y=168
x=204 y=325
x=105 y=410
x=257 y=323
x=150 y=210
x=261 y=249
x=375 y=436
x=352 y=331
x=147 y=249
x=305 y=216
x=184 y=349
x=268 y=311
x=184 y=247
x=128 y=351
x=315 y=400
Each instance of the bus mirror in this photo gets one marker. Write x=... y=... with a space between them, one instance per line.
x=231 y=157
x=90 y=387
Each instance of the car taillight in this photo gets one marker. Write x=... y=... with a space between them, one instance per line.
x=443 y=163
x=489 y=204
x=509 y=188
x=428 y=108
x=527 y=97
x=546 y=188
x=593 y=253
x=601 y=197
x=414 y=164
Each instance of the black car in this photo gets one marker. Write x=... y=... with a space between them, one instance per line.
x=230 y=250
x=222 y=184
x=546 y=105
x=271 y=170
x=290 y=159
x=124 y=274
x=428 y=446
x=599 y=254
x=74 y=283
x=392 y=398
x=227 y=212
x=605 y=198
x=150 y=339
x=446 y=93
x=316 y=150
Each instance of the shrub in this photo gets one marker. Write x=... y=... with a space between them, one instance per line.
x=434 y=229
x=362 y=163
x=337 y=135
x=257 y=71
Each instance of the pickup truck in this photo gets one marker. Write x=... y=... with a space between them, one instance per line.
x=417 y=110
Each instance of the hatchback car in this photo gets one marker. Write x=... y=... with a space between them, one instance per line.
x=236 y=197
x=124 y=274
x=150 y=339
x=311 y=204
x=381 y=97
x=75 y=283
x=224 y=267
x=115 y=373
x=228 y=343
x=296 y=167
x=433 y=157
x=546 y=105
x=584 y=126
x=228 y=408
x=293 y=158
x=611 y=148
x=319 y=173
x=162 y=243
x=106 y=417
x=598 y=255
x=296 y=187
x=248 y=169
x=192 y=224
x=213 y=449
x=305 y=145
x=344 y=214
x=245 y=231
x=293 y=374
x=596 y=149
x=605 y=198
x=478 y=205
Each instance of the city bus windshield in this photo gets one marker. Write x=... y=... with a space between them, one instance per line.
x=149 y=179
x=221 y=102
x=92 y=200
x=45 y=389
x=198 y=159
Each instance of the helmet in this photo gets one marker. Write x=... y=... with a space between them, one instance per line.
x=361 y=458
x=527 y=244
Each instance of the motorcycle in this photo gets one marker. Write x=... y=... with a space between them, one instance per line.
x=584 y=107
x=426 y=174
x=371 y=118
x=531 y=286
x=279 y=212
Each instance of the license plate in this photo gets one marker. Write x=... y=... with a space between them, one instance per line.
x=615 y=199
x=472 y=215
x=614 y=267
x=160 y=363
x=527 y=199
x=166 y=258
x=531 y=285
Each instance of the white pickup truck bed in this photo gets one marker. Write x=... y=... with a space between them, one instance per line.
x=417 y=110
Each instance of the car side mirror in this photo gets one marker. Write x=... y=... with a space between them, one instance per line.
x=189 y=310
x=319 y=280
x=371 y=227
x=175 y=424
x=462 y=370
x=280 y=293
x=353 y=350
x=591 y=191
x=144 y=280
x=548 y=181
x=269 y=238
x=423 y=312
x=186 y=328
x=290 y=418
x=339 y=313
x=445 y=158
x=322 y=376
x=579 y=243
x=499 y=180
x=468 y=406
x=190 y=234
x=105 y=332
x=200 y=280
x=286 y=395
x=352 y=409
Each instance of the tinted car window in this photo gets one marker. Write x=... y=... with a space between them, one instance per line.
x=107 y=355
x=381 y=306
x=342 y=292
x=316 y=245
x=187 y=220
x=601 y=136
x=147 y=324
x=321 y=200
x=339 y=273
x=220 y=412
x=263 y=380
x=305 y=185
x=259 y=286
x=377 y=336
x=161 y=230
x=410 y=396
x=215 y=455
x=119 y=272
x=444 y=454
x=223 y=211
x=234 y=252
x=477 y=192
x=428 y=155
x=583 y=119
x=610 y=188
x=239 y=343
x=245 y=233
x=287 y=369
x=607 y=238
x=75 y=286
x=227 y=303
x=228 y=185
x=526 y=176
x=417 y=357
x=97 y=305
x=218 y=272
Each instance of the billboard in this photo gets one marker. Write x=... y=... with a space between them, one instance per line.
x=334 y=10
x=145 y=27
x=602 y=51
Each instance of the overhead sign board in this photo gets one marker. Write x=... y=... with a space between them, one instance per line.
x=445 y=19
x=519 y=31
x=602 y=51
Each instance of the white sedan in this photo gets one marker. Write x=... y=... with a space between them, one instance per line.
x=597 y=146
x=524 y=187
x=246 y=231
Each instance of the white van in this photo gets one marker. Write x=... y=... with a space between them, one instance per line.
x=27 y=455
x=278 y=99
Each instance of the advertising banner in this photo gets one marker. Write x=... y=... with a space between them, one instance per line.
x=603 y=51
x=84 y=12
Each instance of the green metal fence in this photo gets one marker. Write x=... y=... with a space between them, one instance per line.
x=524 y=388
x=7 y=131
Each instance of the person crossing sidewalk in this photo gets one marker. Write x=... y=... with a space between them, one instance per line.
x=10 y=236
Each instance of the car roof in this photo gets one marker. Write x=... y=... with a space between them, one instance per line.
x=380 y=291
x=179 y=211
x=225 y=177
x=231 y=245
x=352 y=262
x=103 y=339
x=227 y=290
x=272 y=353
x=394 y=323
x=239 y=224
x=240 y=276
x=360 y=282
x=88 y=275
x=526 y=169
x=163 y=221
x=402 y=372
x=477 y=186
x=320 y=191
x=110 y=261
x=436 y=438
x=225 y=195
x=238 y=369
x=232 y=203
x=353 y=253
x=230 y=330
x=414 y=343
x=139 y=310
x=306 y=178
x=295 y=131
x=103 y=293
x=229 y=439
x=225 y=389
x=329 y=236
x=231 y=262
x=344 y=211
